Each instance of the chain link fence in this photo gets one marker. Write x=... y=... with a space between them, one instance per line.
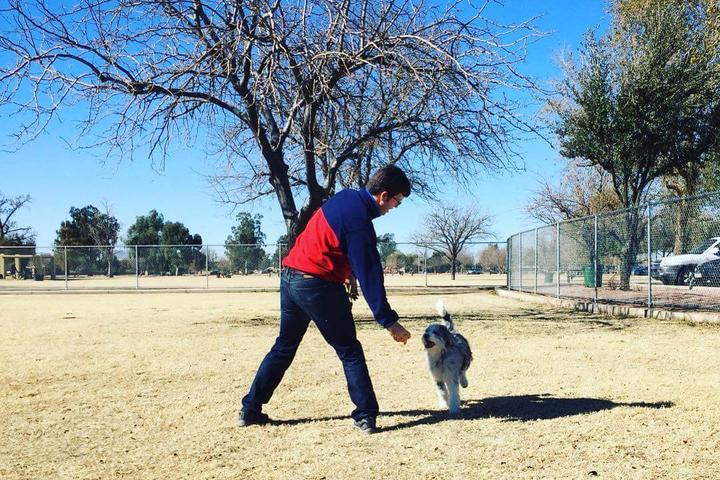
x=664 y=254
x=121 y=267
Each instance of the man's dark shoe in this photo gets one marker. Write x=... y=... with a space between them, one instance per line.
x=253 y=418
x=365 y=425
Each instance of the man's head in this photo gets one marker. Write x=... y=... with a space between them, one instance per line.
x=389 y=186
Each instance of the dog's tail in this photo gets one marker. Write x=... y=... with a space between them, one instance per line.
x=447 y=319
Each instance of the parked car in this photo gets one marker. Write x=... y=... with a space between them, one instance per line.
x=474 y=271
x=678 y=269
x=641 y=269
x=708 y=273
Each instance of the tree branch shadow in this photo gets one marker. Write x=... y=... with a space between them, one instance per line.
x=514 y=408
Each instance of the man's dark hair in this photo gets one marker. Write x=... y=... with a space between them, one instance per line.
x=391 y=179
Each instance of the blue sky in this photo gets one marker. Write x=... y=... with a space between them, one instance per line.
x=58 y=177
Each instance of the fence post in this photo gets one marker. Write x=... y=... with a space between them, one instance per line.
x=137 y=271
x=66 y=268
x=521 y=262
x=207 y=266
x=557 y=258
x=649 y=263
x=536 y=258
x=425 y=263
x=595 y=266
x=507 y=263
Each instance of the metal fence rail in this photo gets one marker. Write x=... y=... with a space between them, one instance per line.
x=664 y=254
x=121 y=267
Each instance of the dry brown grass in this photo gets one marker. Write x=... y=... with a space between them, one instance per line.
x=148 y=386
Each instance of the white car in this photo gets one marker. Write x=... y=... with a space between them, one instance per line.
x=677 y=269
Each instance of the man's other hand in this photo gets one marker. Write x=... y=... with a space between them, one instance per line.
x=352 y=287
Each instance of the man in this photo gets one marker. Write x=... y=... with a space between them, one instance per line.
x=338 y=241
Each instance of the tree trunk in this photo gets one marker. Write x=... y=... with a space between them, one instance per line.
x=682 y=236
x=630 y=250
x=295 y=221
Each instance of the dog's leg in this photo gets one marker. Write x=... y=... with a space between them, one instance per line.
x=453 y=396
x=442 y=394
x=463 y=379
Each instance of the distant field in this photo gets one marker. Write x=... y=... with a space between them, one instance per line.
x=148 y=386
x=236 y=281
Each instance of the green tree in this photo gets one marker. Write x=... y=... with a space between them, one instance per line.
x=641 y=103
x=89 y=226
x=437 y=262
x=146 y=230
x=182 y=251
x=244 y=246
x=145 y=233
x=165 y=246
x=685 y=180
x=386 y=245
x=410 y=263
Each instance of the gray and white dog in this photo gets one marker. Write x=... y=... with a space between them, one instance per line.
x=448 y=356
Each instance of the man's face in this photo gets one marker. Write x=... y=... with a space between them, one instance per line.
x=388 y=202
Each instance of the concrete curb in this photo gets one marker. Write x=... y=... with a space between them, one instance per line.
x=615 y=310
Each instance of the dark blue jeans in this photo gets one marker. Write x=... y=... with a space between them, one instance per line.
x=303 y=298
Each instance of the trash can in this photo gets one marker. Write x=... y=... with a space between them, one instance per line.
x=591 y=277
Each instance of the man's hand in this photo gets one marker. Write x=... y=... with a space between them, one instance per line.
x=352 y=287
x=399 y=333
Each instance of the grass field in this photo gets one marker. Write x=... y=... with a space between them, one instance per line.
x=148 y=386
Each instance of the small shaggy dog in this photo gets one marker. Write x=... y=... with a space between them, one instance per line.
x=448 y=356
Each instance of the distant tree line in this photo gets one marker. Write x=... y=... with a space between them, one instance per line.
x=87 y=243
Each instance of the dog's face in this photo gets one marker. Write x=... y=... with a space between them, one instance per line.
x=437 y=335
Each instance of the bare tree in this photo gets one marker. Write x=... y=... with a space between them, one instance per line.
x=581 y=191
x=448 y=229
x=493 y=259
x=297 y=96
x=10 y=233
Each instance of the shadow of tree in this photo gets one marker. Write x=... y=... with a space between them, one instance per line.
x=515 y=408
x=519 y=408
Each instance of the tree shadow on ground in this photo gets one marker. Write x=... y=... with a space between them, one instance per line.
x=519 y=408
x=515 y=408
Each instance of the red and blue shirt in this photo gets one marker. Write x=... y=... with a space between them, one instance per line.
x=339 y=240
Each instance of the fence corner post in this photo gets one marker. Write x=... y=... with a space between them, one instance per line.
x=557 y=258
x=536 y=260
x=66 y=267
x=137 y=271
x=649 y=253
x=595 y=265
